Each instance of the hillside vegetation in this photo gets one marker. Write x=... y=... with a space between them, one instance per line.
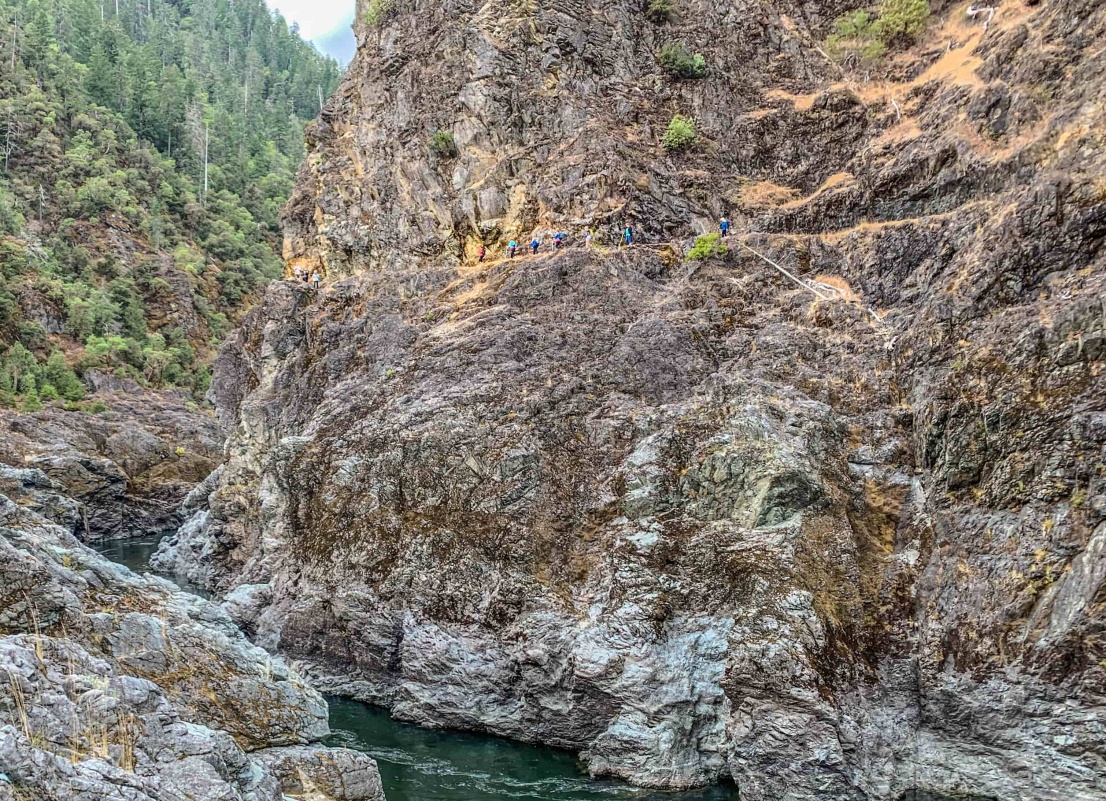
x=147 y=149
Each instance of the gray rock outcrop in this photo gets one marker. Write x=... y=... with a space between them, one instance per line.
x=114 y=686
x=128 y=467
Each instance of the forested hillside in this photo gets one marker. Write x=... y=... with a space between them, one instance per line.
x=147 y=149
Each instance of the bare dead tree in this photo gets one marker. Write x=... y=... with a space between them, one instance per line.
x=12 y=130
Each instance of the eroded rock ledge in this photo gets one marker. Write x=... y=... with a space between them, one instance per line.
x=127 y=467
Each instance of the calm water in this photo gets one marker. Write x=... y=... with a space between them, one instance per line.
x=136 y=553
x=419 y=764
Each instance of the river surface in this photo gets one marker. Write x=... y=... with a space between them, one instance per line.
x=418 y=764
x=135 y=553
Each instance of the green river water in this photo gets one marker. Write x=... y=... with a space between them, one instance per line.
x=420 y=764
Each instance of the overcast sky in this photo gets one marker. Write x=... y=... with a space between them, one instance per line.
x=324 y=22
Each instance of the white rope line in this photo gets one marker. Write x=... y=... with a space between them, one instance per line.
x=794 y=278
x=974 y=11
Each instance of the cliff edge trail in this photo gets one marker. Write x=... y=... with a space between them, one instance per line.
x=688 y=519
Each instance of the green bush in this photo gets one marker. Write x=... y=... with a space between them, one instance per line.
x=660 y=11
x=377 y=10
x=857 y=33
x=443 y=145
x=706 y=246
x=679 y=62
x=31 y=401
x=852 y=25
x=48 y=393
x=11 y=221
x=31 y=333
x=681 y=134
x=9 y=307
x=901 y=19
x=64 y=380
x=17 y=369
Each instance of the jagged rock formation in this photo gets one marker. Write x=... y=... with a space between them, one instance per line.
x=685 y=518
x=119 y=687
x=128 y=468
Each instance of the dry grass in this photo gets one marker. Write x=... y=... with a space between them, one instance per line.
x=111 y=739
x=838 y=286
x=836 y=179
x=801 y=102
x=765 y=194
x=19 y=702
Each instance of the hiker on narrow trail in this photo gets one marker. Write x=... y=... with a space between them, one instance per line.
x=558 y=240
x=628 y=235
x=724 y=227
x=512 y=246
x=535 y=243
x=587 y=240
x=315 y=279
x=481 y=253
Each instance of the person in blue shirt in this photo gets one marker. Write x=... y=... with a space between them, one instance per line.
x=534 y=245
x=628 y=235
x=724 y=227
x=558 y=240
x=512 y=246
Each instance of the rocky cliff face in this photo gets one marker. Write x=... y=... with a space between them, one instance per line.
x=128 y=467
x=120 y=687
x=686 y=518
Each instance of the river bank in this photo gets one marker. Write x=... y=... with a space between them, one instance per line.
x=419 y=764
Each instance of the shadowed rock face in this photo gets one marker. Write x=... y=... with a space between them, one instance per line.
x=128 y=468
x=683 y=517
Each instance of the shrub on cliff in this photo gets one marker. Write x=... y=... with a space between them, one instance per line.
x=660 y=11
x=58 y=376
x=706 y=246
x=17 y=369
x=679 y=62
x=377 y=10
x=901 y=19
x=31 y=401
x=443 y=145
x=857 y=33
x=680 y=134
x=853 y=34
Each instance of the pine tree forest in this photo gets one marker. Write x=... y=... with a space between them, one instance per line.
x=148 y=147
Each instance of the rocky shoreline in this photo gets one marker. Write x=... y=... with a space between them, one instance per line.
x=116 y=686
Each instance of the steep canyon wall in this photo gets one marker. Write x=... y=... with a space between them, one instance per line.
x=685 y=517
